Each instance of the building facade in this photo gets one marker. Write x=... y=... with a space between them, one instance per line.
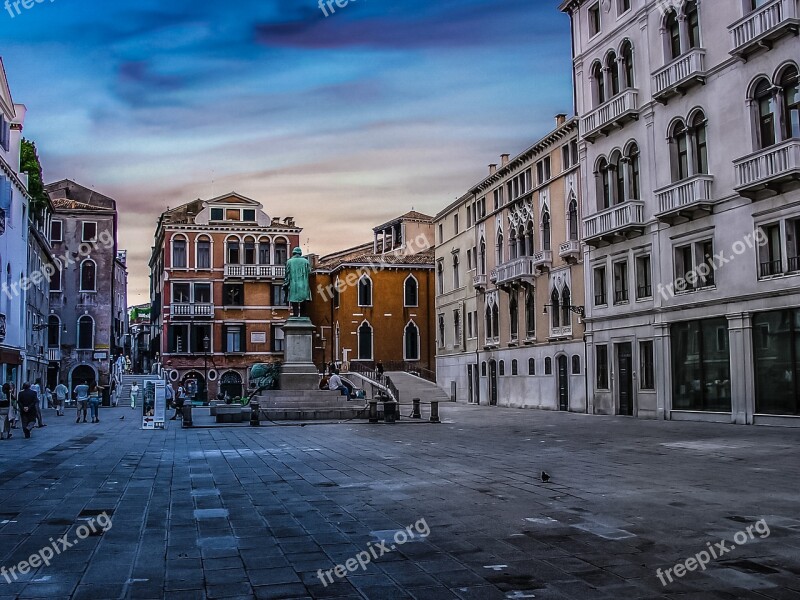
x=84 y=290
x=139 y=329
x=217 y=271
x=526 y=266
x=37 y=297
x=375 y=302
x=690 y=155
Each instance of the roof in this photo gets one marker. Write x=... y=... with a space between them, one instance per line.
x=411 y=215
x=68 y=195
x=362 y=256
x=67 y=204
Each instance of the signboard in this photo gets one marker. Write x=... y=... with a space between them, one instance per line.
x=154 y=404
x=100 y=356
x=258 y=337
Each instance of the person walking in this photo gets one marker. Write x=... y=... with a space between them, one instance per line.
x=82 y=399
x=134 y=394
x=10 y=391
x=179 y=402
x=36 y=388
x=94 y=402
x=5 y=423
x=379 y=369
x=27 y=405
x=61 y=393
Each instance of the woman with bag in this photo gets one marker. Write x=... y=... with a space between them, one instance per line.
x=94 y=402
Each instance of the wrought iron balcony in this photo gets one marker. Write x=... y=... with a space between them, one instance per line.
x=479 y=281
x=54 y=354
x=191 y=310
x=519 y=269
x=682 y=73
x=685 y=200
x=616 y=112
x=762 y=27
x=255 y=271
x=767 y=171
x=543 y=260
x=570 y=249
x=617 y=223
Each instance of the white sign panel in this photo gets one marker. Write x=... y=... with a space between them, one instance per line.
x=154 y=404
x=258 y=337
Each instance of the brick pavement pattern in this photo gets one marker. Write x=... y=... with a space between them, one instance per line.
x=245 y=512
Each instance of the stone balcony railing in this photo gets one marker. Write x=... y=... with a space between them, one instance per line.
x=54 y=354
x=543 y=259
x=479 y=281
x=191 y=310
x=760 y=28
x=768 y=169
x=621 y=221
x=514 y=270
x=685 y=200
x=620 y=109
x=682 y=73
x=255 y=271
x=570 y=249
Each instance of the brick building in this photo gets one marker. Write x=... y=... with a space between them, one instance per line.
x=217 y=271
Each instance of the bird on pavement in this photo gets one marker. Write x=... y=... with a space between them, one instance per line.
x=122 y=418
x=545 y=477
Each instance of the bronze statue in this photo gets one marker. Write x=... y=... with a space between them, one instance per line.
x=298 y=290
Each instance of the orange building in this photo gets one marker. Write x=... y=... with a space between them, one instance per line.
x=217 y=271
x=375 y=302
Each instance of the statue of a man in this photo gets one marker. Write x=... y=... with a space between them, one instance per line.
x=298 y=290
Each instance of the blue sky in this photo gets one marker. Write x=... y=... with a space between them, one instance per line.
x=342 y=121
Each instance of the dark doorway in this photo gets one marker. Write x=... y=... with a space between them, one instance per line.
x=52 y=375
x=230 y=385
x=625 y=379
x=492 y=383
x=563 y=383
x=470 y=384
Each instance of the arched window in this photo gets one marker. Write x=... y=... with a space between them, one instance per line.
x=55 y=279
x=336 y=293
x=501 y=368
x=617 y=173
x=232 y=251
x=613 y=68
x=598 y=84
x=512 y=244
x=514 y=367
x=281 y=252
x=365 y=341
x=700 y=142
x=483 y=369
x=411 y=292
x=85 y=333
x=483 y=256
x=456 y=275
x=365 y=291
x=566 y=301
x=572 y=216
x=264 y=248
x=627 y=63
x=790 y=84
x=692 y=23
x=500 y=248
x=513 y=313
x=203 y=257
x=635 y=174
x=576 y=364
x=249 y=251
x=521 y=241
x=603 y=184
x=680 y=151
x=545 y=229
x=674 y=33
x=488 y=321
x=88 y=276
x=548 y=366
x=440 y=276
x=179 y=253
x=531 y=366
x=529 y=246
x=411 y=344
x=53 y=332
x=495 y=321
x=555 y=304
x=765 y=103
x=530 y=313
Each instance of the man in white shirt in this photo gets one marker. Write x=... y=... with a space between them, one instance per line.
x=335 y=383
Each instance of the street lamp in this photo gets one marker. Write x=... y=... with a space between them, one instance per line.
x=206 y=344
x=578 y=310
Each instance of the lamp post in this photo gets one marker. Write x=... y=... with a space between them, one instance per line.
x=206 y=343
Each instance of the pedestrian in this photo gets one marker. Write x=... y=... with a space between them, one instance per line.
x=27 y=405
x=335 y=383
x=36 y=388
x=48 y=397
x=134 y=394
x=179 y=402
x=61 y=393
x=5 y=424
x=128 y=365
x=11 y=394
x=81 y=400
x=94 y=402
x=379 y=369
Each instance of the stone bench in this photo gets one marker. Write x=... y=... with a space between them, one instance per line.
x=231 y=413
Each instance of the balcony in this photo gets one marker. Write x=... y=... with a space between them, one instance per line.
x=685 y=200
x=185 y=310
x=680 y=75
x=479 y=281
x=54 y=354
x=762 y=27
x=570 y=250
x=543 y=260
x=613 y=114
x=519 y=269
x=255 y=271
x=620 y=222
x=766 y=172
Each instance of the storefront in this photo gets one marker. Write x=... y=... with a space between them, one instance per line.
x=701 y=367
x=776 y=346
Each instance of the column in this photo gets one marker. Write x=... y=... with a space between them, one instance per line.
x=589 y=363
x=663 y=370
x=741 y=359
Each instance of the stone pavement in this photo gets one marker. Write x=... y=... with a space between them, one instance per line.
x=256 y=513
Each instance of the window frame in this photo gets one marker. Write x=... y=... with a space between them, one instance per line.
x=83 y=231
x=60 y=224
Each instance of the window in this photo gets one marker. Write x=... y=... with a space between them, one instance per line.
x=545 y=229
x=441 y=233
x=572 y=216
x=548 y=366
x=217 y=214
x=680 y=151
x=513 y=313
x=179 y=254
x=601 y=356
x=53 y=332
x=365 y=291
x=203 y=254
x=365 y=341
x=249 y=251
x=469 y=259
x=263 y=252
x=442 y=337
x=692 y=24
x=674 y=32
x=56 y=231
x=482 y=257
x=440 y=276
x=603 y=177
x=335 y=293
x=594 y=20
x=623 y=6
x=234 y=338
x=233 y=294
x=644 y=287
x=701 y=370
x=281 y=253
x=531 y=366
x=89 y=231
x=530 y=313
x=279 y=295
x=621 y=282
x=776 y=341
x=502 y=368
x=576 y=364
x=612 y=66
x=483 y=369
x=700 y=141
x=88 y=276
x=232 y=214
x=470 y=325
x=249 y=214
x=514 y=367
x=646 y=366
x=456 y=328
x=765 y=102
x=555 y=313
x=411 y=292
x=202 y=293
x=500 y=248
x=411 y=342
x=55 y=280
x=566 y=307
x=694 y=266
x=85 y=333
x=233 y=252
x=543 y=170
x=456 y=276
x=771 y=253
x=455 y=224
x=181 y=293
x=790 y=84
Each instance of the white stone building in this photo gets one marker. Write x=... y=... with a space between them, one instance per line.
x=690 y=143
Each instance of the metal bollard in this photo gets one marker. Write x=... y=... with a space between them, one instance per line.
x=373 y=411
x=435 y=412
x=416 y=413
x=255 y=414
x=390 y=412
x=186 y=411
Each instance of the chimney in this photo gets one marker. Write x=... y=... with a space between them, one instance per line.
x=492 y=169
x=561 y=118
x=504 y=159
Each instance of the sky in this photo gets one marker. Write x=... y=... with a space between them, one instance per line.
x=343 y=121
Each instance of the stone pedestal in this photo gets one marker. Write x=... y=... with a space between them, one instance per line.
x=299 y=371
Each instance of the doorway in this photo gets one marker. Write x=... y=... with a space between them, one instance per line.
x=471 y=384
x=625 y=379
x=563 y=383
x=492 y=383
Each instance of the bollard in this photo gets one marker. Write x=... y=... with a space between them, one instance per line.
x=373 y=411
x=416 y=413
x=255 y=414
x=186 y=411
x=435 y=412
x=390 y=412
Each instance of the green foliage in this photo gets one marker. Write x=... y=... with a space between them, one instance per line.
x=29 y=163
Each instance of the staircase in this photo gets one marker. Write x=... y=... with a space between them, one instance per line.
x=411 y=386
x=124 y=395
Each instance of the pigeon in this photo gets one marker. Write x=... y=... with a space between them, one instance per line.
x=122 y=418
x=545 y=477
